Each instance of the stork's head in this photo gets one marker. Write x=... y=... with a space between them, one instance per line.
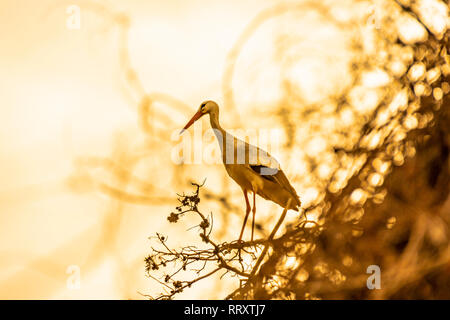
x=207 y=107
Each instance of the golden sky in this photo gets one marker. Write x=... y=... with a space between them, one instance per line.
x=64 y=98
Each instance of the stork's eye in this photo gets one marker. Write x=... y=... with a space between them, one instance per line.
x=203 y=106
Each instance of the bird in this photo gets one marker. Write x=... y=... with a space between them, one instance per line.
x=252 y=168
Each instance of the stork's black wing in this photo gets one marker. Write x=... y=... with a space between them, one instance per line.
x=276 y=176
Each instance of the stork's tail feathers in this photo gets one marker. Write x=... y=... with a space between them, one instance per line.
x=280 y=196
x=295 y=204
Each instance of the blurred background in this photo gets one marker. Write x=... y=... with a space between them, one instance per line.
x=93 y=92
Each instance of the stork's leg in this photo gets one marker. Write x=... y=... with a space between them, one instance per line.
x=254 y=211
x=247 y=212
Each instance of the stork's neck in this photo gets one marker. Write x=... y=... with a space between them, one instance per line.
x=220 y=133
x=214 y=120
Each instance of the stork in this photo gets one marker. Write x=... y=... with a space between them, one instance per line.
x=252 y=168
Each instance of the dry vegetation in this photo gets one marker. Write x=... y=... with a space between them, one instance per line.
x=384 y=197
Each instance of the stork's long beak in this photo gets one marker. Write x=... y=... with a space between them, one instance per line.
x=196 y=116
